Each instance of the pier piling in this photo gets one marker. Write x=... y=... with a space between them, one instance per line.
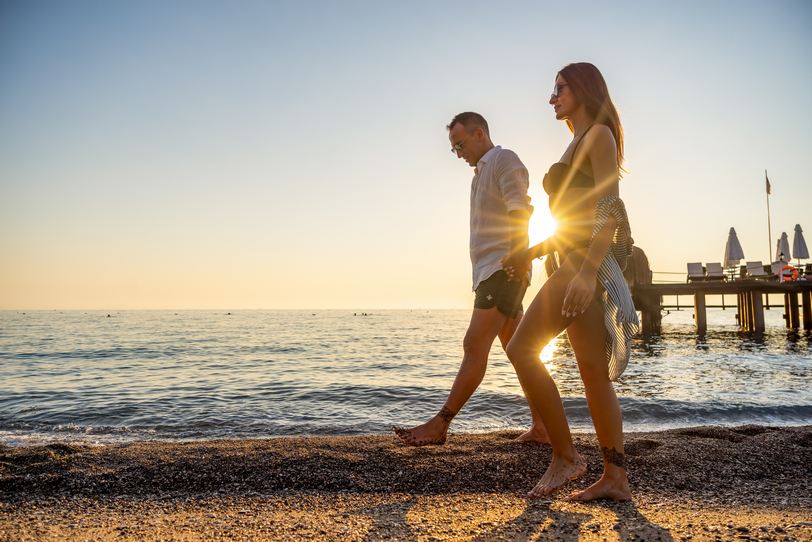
x=751 y=311
x=758 y=312
x=793 y=320
x=700 y=314
x=744 y=311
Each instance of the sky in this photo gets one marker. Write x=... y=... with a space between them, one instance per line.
x=293 y=155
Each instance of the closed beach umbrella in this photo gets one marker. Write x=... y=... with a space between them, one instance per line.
x=799 y=250
x=733 y=250
x=782 y=248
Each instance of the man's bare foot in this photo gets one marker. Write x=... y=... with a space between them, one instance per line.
x=534 y=435
x=616 y=489
x=558 y=473
x=433 y=432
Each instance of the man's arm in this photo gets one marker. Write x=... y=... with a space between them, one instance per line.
x=519 y=240
x=548 y=246
x=514 y=182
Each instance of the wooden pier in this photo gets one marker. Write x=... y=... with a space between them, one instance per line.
x=749 y=293
x=749 y=302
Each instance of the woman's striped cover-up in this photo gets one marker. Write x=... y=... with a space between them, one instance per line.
x=620 y=316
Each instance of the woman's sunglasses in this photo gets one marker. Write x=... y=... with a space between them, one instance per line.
x=557 y=90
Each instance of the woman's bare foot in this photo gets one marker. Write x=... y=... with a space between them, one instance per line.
x=534 y=434
x=433 y=432
x=559 y=472
x=614 y=488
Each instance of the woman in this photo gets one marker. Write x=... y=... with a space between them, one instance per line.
x=586 y=295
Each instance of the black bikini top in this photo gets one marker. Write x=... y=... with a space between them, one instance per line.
x=561 y=174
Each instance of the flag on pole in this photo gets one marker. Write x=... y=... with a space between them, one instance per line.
x=768 y=182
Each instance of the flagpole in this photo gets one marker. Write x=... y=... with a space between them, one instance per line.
x=769 y=224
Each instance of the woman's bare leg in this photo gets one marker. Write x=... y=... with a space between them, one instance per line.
x=542 y=323
x=587 y=335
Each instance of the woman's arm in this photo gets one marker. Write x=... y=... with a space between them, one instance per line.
x=518 y=264
x=602 y=151
x=548 y=246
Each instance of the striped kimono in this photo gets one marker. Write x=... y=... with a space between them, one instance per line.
x=620 y=316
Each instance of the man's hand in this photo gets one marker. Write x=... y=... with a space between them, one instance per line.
x=517 y=266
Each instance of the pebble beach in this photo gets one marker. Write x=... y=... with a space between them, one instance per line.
x=704 y=483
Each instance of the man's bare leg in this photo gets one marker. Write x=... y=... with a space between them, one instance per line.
x=485 y=325
x=537 y=432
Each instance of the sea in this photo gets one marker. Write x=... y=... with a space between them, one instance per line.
x=99 y=377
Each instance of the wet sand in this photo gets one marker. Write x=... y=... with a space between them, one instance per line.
x=702 y=483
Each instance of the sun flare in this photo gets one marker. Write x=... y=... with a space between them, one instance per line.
x=547 y=354
x=542 y=225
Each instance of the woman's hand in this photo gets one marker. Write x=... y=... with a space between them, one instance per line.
x=579 y=293
x=517 y=265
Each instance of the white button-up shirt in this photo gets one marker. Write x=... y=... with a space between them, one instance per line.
x=499 y=186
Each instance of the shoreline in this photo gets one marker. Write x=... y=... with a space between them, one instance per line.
x=99 y=440
x=704 y=482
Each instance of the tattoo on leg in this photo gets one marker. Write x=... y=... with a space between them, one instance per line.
x=446 y=414
x=614 y=457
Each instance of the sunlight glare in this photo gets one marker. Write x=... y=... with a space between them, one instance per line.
x=547 y=353
x=542 y=225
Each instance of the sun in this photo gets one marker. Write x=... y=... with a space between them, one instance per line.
x=542 y=225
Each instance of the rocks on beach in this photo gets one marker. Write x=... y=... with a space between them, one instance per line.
x=704 y=483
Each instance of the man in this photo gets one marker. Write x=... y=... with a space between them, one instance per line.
x=500 y=211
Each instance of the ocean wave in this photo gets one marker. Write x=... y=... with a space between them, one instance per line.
x=199 y=375
x=356 y=409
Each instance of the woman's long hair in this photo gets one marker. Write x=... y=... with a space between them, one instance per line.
x=586 y=81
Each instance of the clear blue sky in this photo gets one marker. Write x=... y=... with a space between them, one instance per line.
x=293 y=155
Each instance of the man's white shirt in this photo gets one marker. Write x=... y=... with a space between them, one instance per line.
x=499 y=186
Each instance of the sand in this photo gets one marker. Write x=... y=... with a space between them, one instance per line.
x=702 y=483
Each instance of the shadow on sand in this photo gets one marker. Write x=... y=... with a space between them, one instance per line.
x=538 y=520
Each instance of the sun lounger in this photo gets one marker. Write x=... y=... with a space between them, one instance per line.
x=715 y=271
x=755 y=270
x=695 y=272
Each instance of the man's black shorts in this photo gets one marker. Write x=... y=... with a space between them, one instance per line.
x=497 y=291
